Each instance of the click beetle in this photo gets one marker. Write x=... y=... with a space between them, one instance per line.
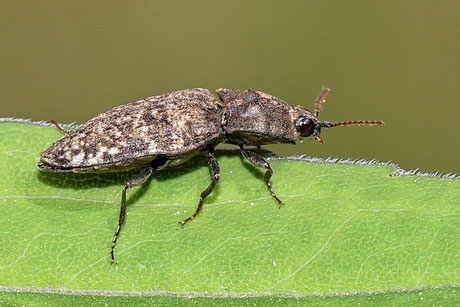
x=166 y=130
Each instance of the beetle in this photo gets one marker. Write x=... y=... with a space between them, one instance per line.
x=166 y=130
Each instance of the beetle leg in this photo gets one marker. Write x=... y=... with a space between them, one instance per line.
x=215 y=174
x=58 y=127
x=138 y=179
x=261 y=162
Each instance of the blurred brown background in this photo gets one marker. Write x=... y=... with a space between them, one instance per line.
x=397 y=61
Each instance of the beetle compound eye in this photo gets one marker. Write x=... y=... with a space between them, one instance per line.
x=305 y=126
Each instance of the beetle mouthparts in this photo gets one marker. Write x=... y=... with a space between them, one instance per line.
x=319 y=139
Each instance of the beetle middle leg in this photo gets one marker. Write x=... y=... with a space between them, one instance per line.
x=138 y=179
x=215 y=174
x=261 y=162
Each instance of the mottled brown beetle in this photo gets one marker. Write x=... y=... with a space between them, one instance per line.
x=167 y=130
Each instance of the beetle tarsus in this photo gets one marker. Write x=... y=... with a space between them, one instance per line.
x=136 y=180
x=215 y=175
x=267 y=176
x=261 y=162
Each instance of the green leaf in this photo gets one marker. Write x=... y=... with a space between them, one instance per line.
x=348 y=234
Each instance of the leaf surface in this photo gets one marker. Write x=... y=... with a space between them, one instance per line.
x=348 y=233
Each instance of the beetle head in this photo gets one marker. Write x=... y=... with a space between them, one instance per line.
x=307 y=123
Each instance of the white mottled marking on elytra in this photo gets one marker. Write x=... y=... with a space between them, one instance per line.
x=77 y=159
x=67 y=156
x=114 y=150
x=152 y=147
x=180 y=124
x=99 y=154
x=103 y=149
x=92 y=161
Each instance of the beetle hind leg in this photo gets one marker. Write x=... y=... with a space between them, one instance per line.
x=215 y=174
x=58 y=127
x=138 y=179
x=261 y=162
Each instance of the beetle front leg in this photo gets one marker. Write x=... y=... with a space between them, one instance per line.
x=261 y=162
x=138 y=179
x=215 y=174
